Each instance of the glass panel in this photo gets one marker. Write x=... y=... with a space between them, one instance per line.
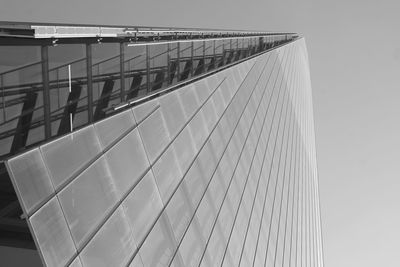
x=113 y=245
x=142 y=206
x=20 y=94
x=106 y=78
x=127 y=161
x=158 y=66
x=135 y=71
x=209 y=57
x=52 y=234
x=88 y=199
x=219 y=48
x=173 y=64
x=185 y=62
x=67 y=155
x=68 y=87
x=198 y=57
x=31 y=179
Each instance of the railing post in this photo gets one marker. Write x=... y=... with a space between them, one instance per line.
x=46 y=91
x=3 y=97
x=178 y=56
x=122 y=69
x=89 y=74
x=204 y=57
x=168 y=63
x=191 y=58
x=214 y=53
x=148 y=68
x=223 y=52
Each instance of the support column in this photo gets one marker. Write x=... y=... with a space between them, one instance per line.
x=89 y=74
x=46 y=91
x=148 y=68
x=122 y=70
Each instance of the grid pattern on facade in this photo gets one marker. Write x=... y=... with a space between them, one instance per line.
x=221 y=172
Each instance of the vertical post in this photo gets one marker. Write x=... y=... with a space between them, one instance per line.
x=148 y=68
x=71 y=123
x=215 y=54
x=122 y=69
x=46 y=91
x=89 y=74
x=204 y=57
x=191 y=58
x=3 y=100
x=178 y=55
x=168 y=63
x=223 y=52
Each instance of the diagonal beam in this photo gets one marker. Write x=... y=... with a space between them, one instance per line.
x=24 y=122
x=70 y=108
x=104 y=100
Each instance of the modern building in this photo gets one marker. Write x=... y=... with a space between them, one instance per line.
x=135 y=146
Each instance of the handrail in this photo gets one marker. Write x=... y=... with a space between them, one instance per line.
x=150 y=83
x=21 y=67
x=105 y=60
x=66 y=64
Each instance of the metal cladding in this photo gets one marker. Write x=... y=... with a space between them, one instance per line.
x=220 y=172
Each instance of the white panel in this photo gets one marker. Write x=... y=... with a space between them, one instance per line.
x=127 y=161
x=210 y=115
x=143 y=110
x=70 y=153
x=184 y=148
x=203 y=89
x=31 y=179
x=195 y=183
x=173 y=112
x=136 y=262
x=88 y=199
x=192 y=247
x=159 y=245
x=113 y=245
x=190 y=102
x=52 y=234
x=76 y=263
x=167 y=173
x=110 y=129
x=142 y=206
x=198 y=129
x=154 y=134
x=179 y=213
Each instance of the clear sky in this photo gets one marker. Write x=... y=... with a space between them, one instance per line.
x=354 y=49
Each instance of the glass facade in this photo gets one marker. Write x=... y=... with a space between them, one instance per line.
x=219 y=172
x=50 y=87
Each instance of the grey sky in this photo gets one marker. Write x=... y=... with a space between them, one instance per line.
x=354 y=50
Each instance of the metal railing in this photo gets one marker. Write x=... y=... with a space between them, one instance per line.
x=53 y=96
